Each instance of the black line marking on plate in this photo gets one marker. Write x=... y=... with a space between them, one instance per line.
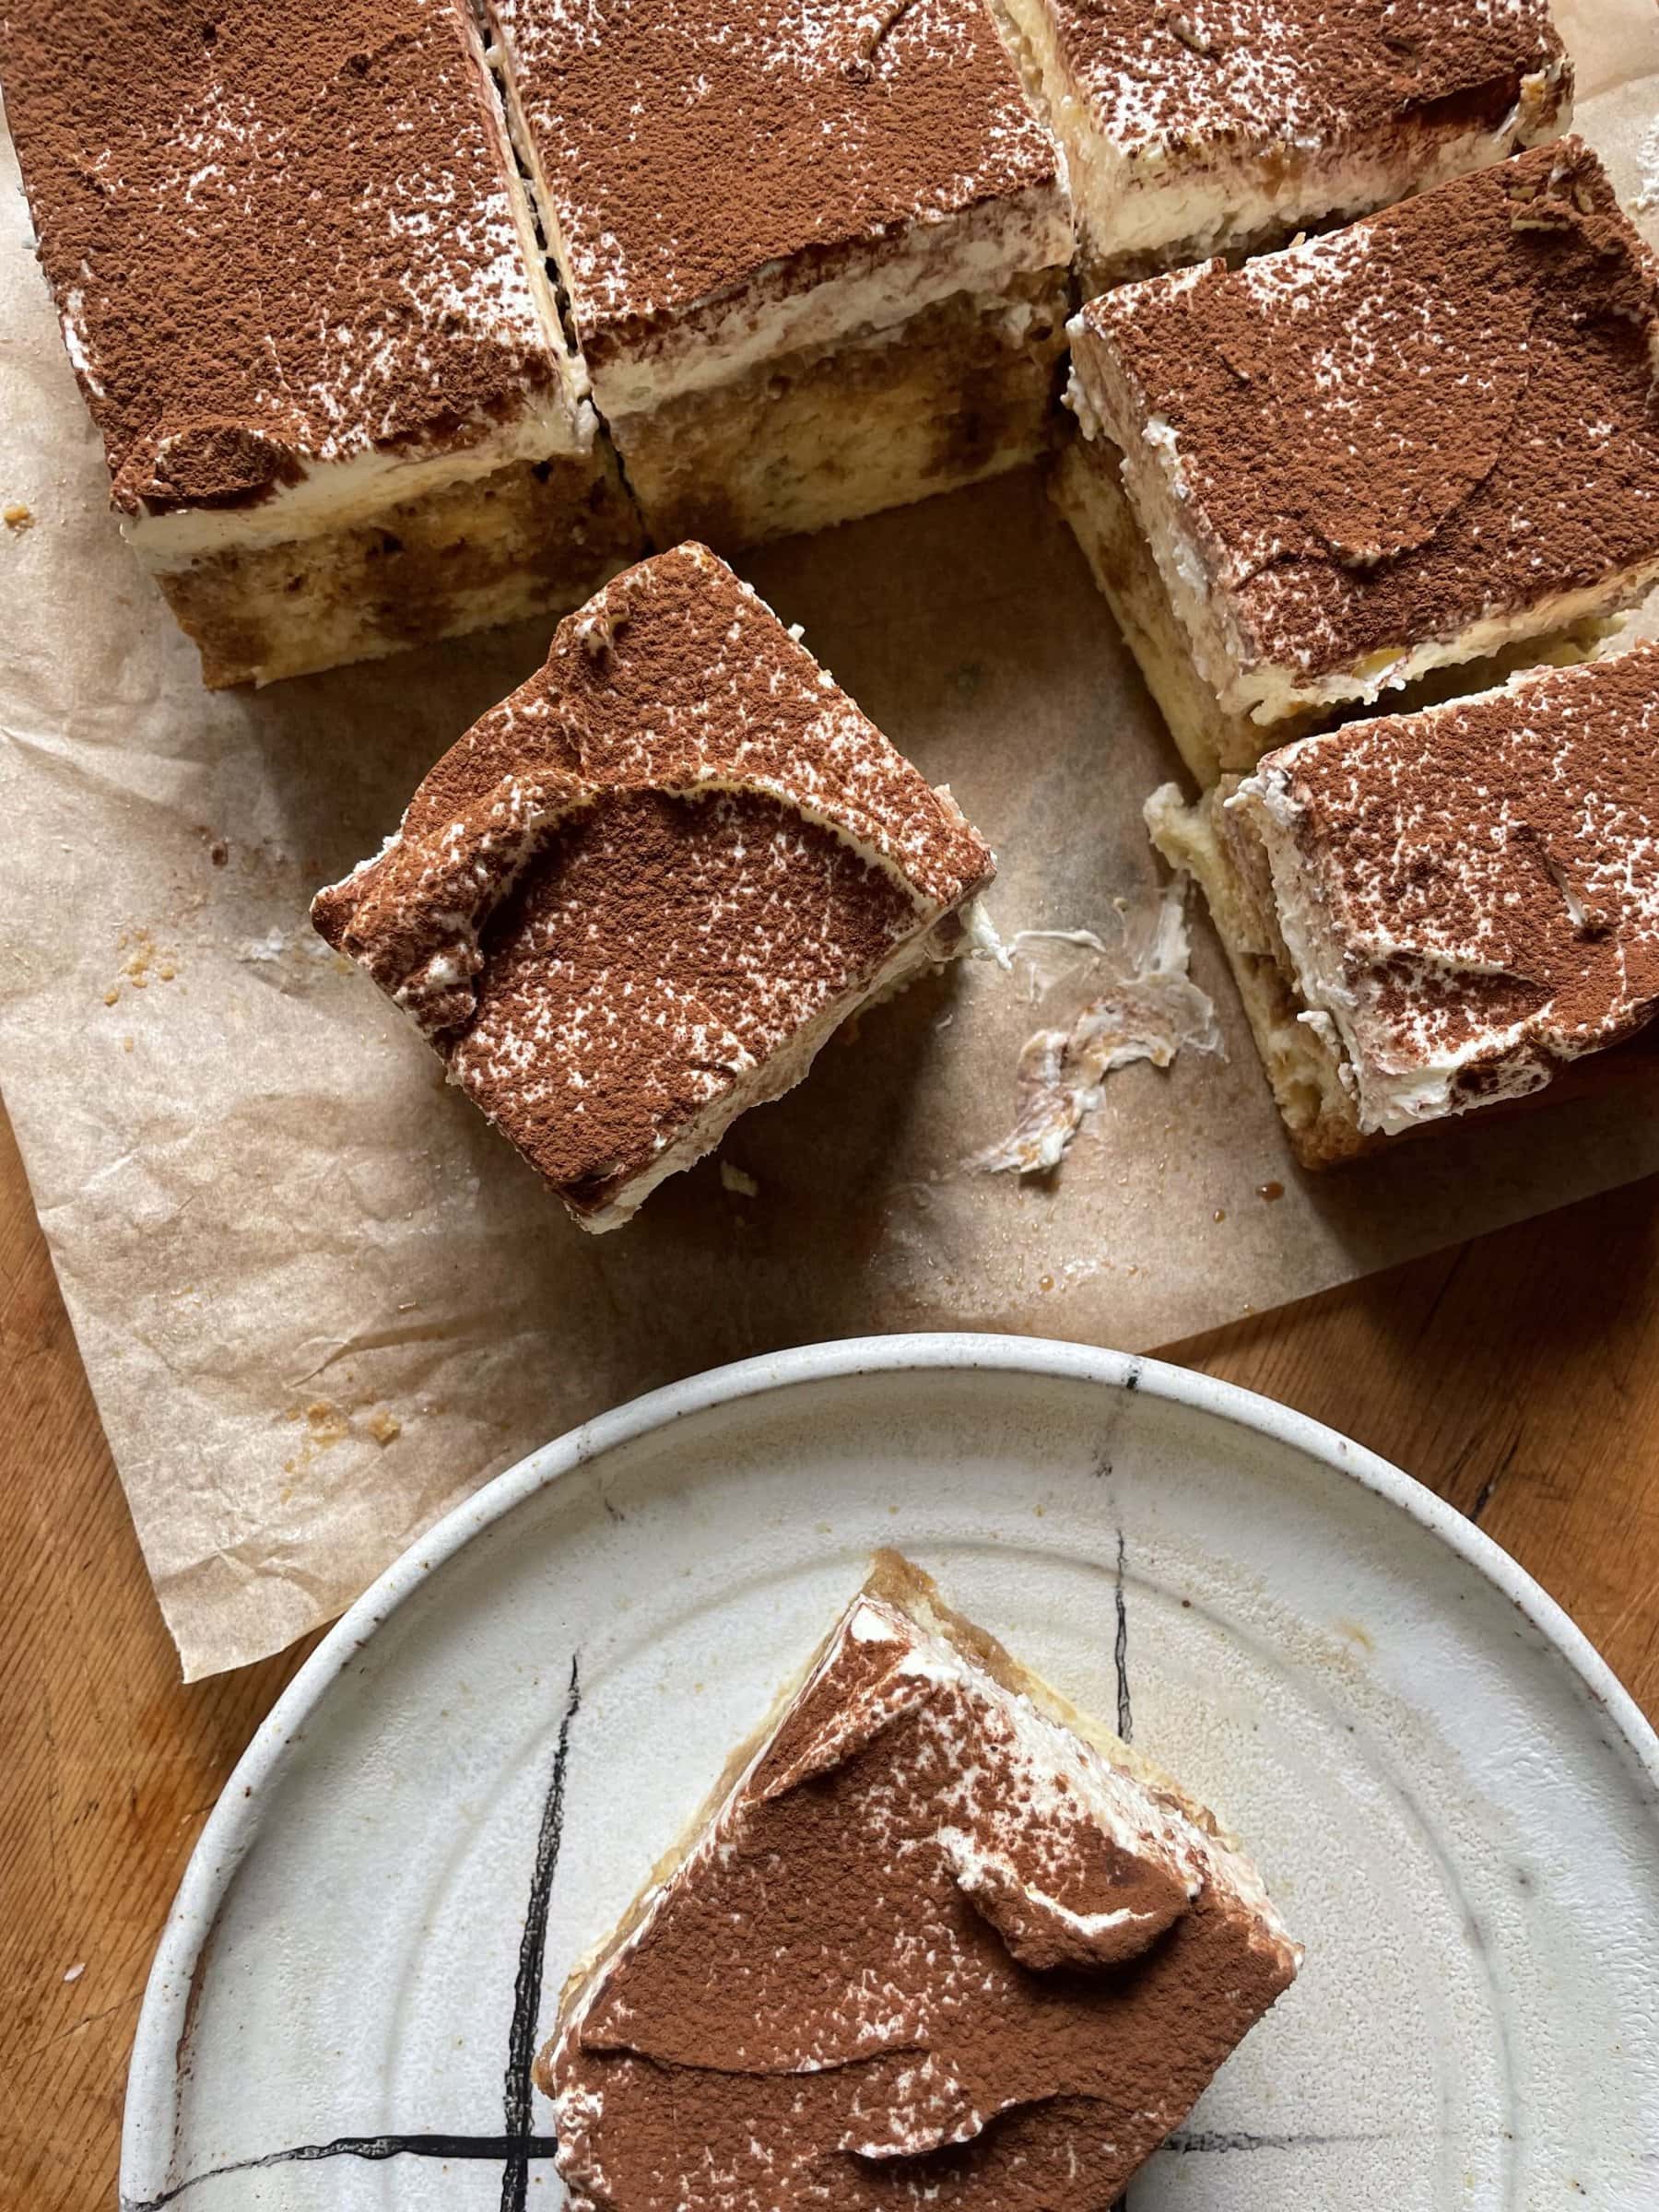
x=371 y=2148
x=1120 y=1649
x=1212 y=2140
x=527 y=1989
x=515 y=2150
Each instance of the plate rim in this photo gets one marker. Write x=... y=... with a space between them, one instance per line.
x=153 y=2069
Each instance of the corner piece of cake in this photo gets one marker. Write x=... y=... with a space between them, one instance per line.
x=1225 y=126
x=299 y=280
x=1427 y=442
x=816 y=255
x=638 y=896
x=936 y=1936
x=1434 y=912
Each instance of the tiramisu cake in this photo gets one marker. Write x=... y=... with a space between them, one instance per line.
x=637 y=898
x=1196 y=127
x=300 y=284
x=1432 y=912
x=815 y=253
x=1417 y=443
x=937 y=1937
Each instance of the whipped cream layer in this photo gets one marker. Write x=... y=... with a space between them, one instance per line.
x=720 y=187
x=939 y=1937
x=296 y=269
x=1192 y=132
x=1469 y=896
x=637 y=896
x=1407 y=444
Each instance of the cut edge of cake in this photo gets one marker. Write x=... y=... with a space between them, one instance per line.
x=1214 y=740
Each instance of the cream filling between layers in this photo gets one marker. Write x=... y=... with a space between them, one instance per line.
x=1146 y=197
x=1242 y=681
x=338 y=495
x=1394 y=1087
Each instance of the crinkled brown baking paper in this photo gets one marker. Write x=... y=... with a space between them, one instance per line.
x=319 y=1301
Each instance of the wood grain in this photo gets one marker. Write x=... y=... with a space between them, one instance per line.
x=1518 y=1375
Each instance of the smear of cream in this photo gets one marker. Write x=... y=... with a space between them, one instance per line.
x=1646 y=198
x=1151 y=1009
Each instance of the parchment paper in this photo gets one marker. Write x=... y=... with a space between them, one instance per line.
x=320 y=1302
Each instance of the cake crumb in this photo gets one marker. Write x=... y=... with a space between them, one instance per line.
x=19 y=517
x=734 y=1179
x=325 y=1423
x=384 y=1425
x=141 y=963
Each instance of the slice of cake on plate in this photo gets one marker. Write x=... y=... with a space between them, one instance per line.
x=935 y=1936
x=1195 y=127
x=299 y=281
x=1384 y=455
x=816 y=255
x=637 y=897
x=1433 y=912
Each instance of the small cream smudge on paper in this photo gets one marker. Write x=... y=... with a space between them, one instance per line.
x=1150 y=1010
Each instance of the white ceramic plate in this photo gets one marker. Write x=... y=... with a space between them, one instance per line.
x=1455 y=1805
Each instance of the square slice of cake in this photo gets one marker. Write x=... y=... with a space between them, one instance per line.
x=817 y=254
x=1433 y=912
x=1408 y=446
x=935 y=1936
x=299 y=280
x=637 y=898
x=1225 y=126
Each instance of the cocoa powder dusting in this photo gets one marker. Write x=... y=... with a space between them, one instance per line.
x=829 y=2005
x=1239 y=73
x=276 y=236
x=688 y=144
x=637 y=879
x=1392 y=431
x=1492 y=869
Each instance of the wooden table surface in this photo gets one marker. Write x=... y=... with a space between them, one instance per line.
x=1519 y=1376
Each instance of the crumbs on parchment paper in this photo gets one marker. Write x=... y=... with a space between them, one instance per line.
x=142 y=963
x=18 y=517
x=328 y=1423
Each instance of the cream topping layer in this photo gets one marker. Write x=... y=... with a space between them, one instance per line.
x=337 y=494
x=980 y=252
